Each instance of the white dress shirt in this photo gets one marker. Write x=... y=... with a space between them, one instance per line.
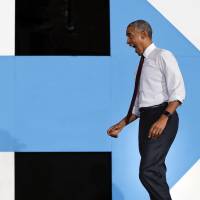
x=161 y=79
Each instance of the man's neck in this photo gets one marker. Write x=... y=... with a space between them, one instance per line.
x=147 y=44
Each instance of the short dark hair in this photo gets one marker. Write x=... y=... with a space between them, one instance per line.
x=142 y=25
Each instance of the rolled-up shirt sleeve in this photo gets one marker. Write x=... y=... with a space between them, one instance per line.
x=173 y=76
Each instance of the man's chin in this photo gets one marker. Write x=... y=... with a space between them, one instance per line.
x=138 y=53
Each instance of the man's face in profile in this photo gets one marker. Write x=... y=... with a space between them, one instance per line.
x=135 y=39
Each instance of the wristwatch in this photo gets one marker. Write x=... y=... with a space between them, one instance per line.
x=166 y=113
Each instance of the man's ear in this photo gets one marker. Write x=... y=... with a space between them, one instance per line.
x=144 y=34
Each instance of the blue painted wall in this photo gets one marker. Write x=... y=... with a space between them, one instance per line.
x=67 y=103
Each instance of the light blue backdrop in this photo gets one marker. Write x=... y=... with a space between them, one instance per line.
x=67 y=103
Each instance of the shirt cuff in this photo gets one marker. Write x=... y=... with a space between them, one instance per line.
x=176 y=98
x=136 y=111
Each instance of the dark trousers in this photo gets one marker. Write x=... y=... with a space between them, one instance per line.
x=153 y=151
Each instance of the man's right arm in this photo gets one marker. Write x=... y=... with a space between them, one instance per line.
x=116 y=128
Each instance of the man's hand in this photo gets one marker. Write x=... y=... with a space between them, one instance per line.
x=158 y=127
x=114 y=130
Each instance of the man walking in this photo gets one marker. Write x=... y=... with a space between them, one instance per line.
x=159 y=90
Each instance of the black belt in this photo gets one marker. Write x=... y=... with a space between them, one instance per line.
x=152 y=107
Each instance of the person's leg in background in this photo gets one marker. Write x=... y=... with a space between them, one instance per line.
x=153 y=152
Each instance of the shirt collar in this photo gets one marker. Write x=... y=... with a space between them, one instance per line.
x=149 y=49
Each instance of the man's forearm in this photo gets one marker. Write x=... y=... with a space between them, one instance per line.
x=131 y=119
x=172 y=106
